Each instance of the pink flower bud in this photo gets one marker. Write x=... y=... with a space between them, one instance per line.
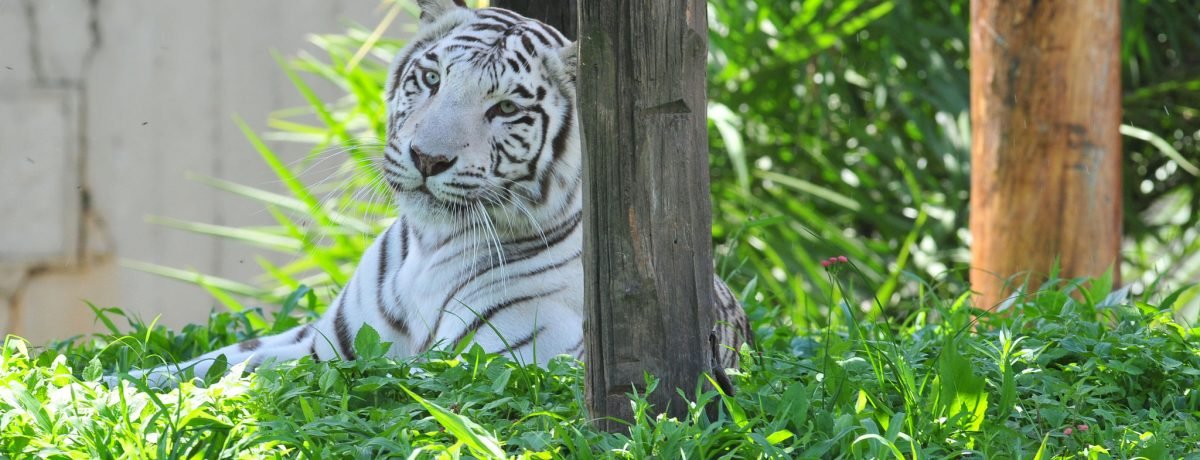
x=843 y=259
x=1068 y=431
x=1082 y=427
x=825 y=263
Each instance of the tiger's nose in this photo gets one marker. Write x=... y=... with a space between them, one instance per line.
x=430 y=165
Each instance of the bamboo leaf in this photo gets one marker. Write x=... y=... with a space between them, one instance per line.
x=259 y=238
x=1163 y=147
x=197 y=278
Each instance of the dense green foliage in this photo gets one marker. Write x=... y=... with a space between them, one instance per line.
x=1101 y=377
x=848 y=123
x=837 y=128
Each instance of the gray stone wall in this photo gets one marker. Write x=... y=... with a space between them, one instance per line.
x=105 y=107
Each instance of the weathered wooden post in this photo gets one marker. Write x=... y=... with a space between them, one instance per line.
x=647 y=217
x=1045 y=147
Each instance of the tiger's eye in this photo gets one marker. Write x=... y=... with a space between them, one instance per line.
x=432 y=78
x=502 y=109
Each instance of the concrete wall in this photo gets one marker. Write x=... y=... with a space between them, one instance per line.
x=105 y=106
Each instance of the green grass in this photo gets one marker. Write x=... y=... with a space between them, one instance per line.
x=943 y=384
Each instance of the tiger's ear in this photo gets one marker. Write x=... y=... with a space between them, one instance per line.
x=431 y=10
x=569 y=55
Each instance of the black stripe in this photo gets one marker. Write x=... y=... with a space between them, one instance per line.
x=513 y=64
x=492 y=27
x=558 y=147
x=519 y=139
x=397 y=323
x=537 y=156
x=536 y=271
x=543 y=28
x=383 y=264
x=578 y=346
x=559 y=144
x=403 y=240
x=250 y=345
x=724 y=296
x=507 y=26
x=527 y=340
x=475 y=49
x=395 y=172
x=522 y=91
x=508 y=18
x=500 y=12
x=560 y=233
x=461 y=185
x=486 y=315
x=302 y=333
x=312 y=351
x=456 y=257
x=524 y=120
x=522 y=248
x=554 y=236
x=467 y=38
x=503 y=151
x=517 y=142
x=395 y=294
x=343 y=330
x=533 y=246
x=392 y=161
x=444 y=241
x=529 y=48
x=541 y=35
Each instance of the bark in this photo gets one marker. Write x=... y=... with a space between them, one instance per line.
x=647 y=239
x=1045 y=147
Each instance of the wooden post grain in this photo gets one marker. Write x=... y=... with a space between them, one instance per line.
x=647 y=216
x=1045 y=147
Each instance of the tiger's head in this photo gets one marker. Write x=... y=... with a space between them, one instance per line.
x=482 y=119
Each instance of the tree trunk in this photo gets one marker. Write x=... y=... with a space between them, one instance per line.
x=647 y=217
x=1045 y=147
x=559 y=14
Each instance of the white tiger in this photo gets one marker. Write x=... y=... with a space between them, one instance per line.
x=483 y=153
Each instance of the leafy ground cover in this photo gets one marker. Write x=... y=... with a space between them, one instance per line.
x=1076 y=371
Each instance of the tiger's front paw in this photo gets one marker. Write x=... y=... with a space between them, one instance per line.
x=153 y=379
x=110 y=381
